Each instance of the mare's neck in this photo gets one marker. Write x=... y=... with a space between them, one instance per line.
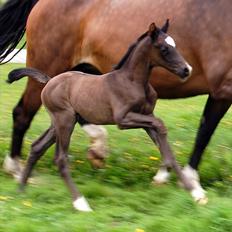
x=138 y=64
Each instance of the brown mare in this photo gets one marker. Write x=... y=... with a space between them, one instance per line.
x=123 y=97
x=87 y=36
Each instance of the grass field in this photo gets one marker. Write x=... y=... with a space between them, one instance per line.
x=121 y=195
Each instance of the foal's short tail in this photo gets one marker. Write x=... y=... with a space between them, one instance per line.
x=17 y=74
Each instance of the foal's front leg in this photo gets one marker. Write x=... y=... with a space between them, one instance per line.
x=159 y=135
x=38 y=148
x=134 y=120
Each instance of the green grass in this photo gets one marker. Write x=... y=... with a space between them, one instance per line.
x=121 y=195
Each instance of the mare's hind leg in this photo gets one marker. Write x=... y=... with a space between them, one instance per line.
x=64 y=123
x=23 y=113
x=98 y=144
x=38 y=148
x=97 y=151
x=159 y=135
x=213 y=113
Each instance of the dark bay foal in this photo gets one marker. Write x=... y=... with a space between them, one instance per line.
x=123 y=97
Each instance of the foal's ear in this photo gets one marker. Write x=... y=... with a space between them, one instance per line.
x=165 y=26
x=152 y=31
x=152 y=28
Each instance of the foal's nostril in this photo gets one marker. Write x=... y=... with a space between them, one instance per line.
x=186 y=71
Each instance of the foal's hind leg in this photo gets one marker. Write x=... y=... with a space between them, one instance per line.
x=64 y=123
x=38 y=148
x=23 y=113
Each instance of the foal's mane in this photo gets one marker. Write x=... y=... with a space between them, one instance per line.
x=129 y=51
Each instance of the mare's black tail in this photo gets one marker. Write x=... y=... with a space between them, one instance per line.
x=13 y=18
x=17 y=74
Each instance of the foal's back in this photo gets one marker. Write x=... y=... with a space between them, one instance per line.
x=77 y=92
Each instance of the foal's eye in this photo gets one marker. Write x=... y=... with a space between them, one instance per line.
x=164 y=51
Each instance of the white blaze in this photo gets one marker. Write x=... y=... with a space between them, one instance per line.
x=169 y=40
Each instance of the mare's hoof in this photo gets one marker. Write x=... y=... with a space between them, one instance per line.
x=95 y=160
x=203 y=201
x=13 y=167
x=82 y=205
x=199 y=196
x=198 y=193
x=21 y=188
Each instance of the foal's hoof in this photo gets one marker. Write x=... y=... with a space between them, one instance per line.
x=13 y=167
x=95 y=160
x=82 y=205
x=161 y=177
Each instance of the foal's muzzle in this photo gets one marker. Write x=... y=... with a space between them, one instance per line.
x=185 y=72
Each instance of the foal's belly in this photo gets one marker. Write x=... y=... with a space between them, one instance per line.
x=90 y=99
x=95 y=112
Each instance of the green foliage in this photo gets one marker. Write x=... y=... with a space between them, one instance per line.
x=121 y=195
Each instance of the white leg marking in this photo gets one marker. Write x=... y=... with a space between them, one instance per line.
x=82 y=205
x=98 y=135
x=198 y=193
x=13 y=167
x=162 y=176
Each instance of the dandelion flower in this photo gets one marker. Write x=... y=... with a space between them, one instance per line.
x=139 y=230
x=153 y=158
x=4 y=198
x=79 y=161
x=27 y=203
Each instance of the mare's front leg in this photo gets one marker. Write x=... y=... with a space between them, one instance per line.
x=23 y=113
x=158 y=134
x=64 y=122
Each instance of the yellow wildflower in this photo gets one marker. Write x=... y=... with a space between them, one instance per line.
x=139 y=230
x=27 y=203
x=4 y=198
x=153 y=158
x=79 y=161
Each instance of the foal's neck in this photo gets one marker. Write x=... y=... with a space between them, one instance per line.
x=138 y=64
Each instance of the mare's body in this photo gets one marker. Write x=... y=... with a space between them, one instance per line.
x=76 y=34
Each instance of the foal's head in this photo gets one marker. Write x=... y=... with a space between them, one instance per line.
x=164 y=52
